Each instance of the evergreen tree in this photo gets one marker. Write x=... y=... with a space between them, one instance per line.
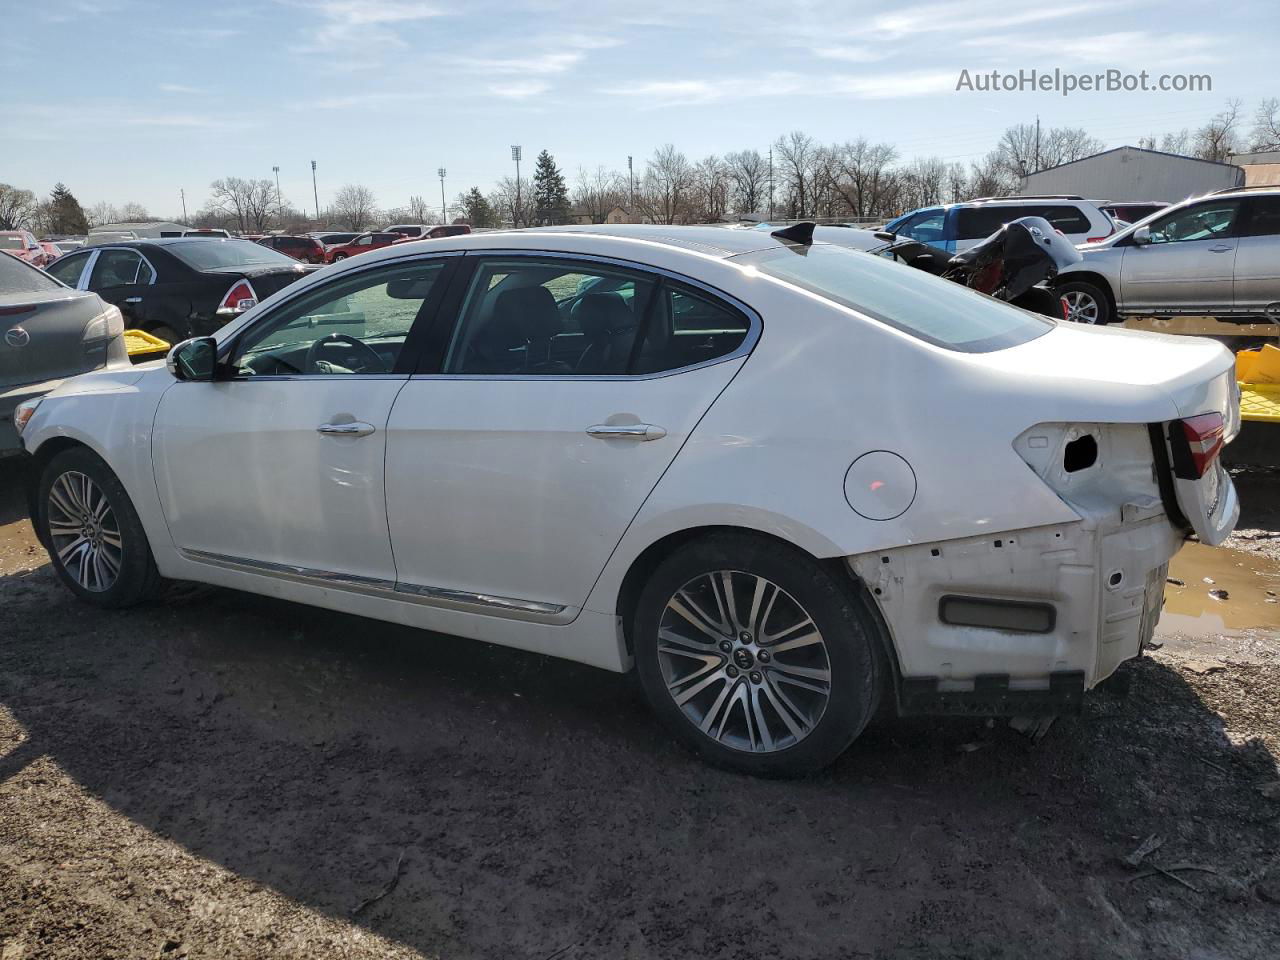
x=478 y=211
x=550 y=195
x=65 y=213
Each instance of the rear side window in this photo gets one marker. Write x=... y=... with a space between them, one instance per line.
x=1263 y=219
x=688 y=327
x=930 y=308
x=68 y=268
x=19 y=277
x=978 y=223
x=119 y=268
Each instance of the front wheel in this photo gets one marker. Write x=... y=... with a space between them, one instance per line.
x=92 y=532
x=1086 y=303
x=756 y=656
x=339 y=256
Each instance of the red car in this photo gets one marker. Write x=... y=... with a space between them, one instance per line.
x=22 y=244
x=306 y=249
x=444 y=230
x=361 y=244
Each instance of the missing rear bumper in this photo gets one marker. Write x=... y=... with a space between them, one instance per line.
x=991 y=696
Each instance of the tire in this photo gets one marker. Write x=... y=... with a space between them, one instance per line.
x=105 y=561
x=743 y=666
x=166 y=333
x=339 y=256
x=1086 y=302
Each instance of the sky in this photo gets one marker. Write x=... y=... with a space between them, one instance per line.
x=136 y=100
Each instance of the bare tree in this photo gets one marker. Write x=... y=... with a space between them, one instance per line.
x=134 y=212
x=1218 y=139
x=1026 y=148
x=354 y=206
x=668 y=179
x=795 y=155
x=248 y=202
x=418 y=209
x=513 y=202
x=865 y=178
x=748 y=171
x=598 y=192
x=990 y=177
x=101 y=213
x=710 y=193
x=17 y=207
x=923 y=182
x=1266 y=126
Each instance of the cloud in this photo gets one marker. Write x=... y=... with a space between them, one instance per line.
x=655 y=94
x=178 y=88
x=850 y=53
x=359 y=26
x=519 y=91
x=544 y=63
x=1130 y=49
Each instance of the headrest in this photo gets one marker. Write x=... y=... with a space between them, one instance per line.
x=524 y=315
x=602 y=315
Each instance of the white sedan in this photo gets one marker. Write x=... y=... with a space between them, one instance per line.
x=785 y=480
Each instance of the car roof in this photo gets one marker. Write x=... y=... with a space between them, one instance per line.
x=711 y=240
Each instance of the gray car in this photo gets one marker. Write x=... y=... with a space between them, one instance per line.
x=48 y=332
x=1217 y=255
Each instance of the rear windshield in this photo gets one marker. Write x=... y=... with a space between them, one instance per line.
x=18 y=277
x=934 y=310
x=212 y=253
x=12 y=243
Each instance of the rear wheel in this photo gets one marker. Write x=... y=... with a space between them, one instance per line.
x=1086 y=303
x=92 y=532
x=756 y=656
x=166 y=333
x=339 y=256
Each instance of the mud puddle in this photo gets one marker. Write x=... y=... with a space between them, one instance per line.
x=1247 y=617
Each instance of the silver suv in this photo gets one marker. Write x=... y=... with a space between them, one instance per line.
x=1217 y=255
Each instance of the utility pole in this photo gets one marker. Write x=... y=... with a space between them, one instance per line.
x=183 y=194
x=279 y=203
x=771 y=183
x=315 y=190
x=515 y=214
x=631 y=178
x=1037 y=163
x=444 y=210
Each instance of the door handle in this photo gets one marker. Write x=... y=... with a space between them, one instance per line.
x=132 y=299
x=355 y=429
x=1226 y=249
x=626 y=431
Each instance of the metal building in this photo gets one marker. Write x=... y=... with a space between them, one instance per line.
x=1131 y=173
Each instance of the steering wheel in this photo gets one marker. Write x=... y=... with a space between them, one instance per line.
x=312 y=364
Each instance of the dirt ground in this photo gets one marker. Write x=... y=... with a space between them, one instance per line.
x=221 y=775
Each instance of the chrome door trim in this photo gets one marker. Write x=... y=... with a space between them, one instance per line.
x=509 y=607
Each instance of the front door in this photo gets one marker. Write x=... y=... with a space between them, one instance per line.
x=281 y=466
x=1258 y=258
x=1189 y=265
x=553 y=407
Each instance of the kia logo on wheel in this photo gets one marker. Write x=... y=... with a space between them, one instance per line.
x=17 y=337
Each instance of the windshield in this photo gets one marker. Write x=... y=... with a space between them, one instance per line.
x=212 y=253
x=17 y=277
x=12 y=243
x=937 y=311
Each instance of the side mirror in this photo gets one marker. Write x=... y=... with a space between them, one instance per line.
x=194 y=359
x=1142 y=236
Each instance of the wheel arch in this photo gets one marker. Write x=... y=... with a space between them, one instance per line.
x=647 y=561
x=39 y=459
x=1088 y=276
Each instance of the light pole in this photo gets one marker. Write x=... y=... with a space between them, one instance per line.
x=444 y=210
x=515 y=214
x=315 y=191
x=183 y=193
x=276 y=170
x=631 y=178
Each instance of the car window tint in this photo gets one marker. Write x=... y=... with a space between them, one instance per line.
x=926 y=227
x=116 y=268
x=216 y=252
x=1062 y=217
x=68 y=268
x=1264 y=217
x=18 y=277
x=687 y=328
x=930 y=308
x=355 y=324
x=536 y=317
x=1203 y=221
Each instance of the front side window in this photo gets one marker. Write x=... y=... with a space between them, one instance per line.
x=68 y=268
x=354 y=325
x=1204 y=221
x=119 y=268
x=927 y=307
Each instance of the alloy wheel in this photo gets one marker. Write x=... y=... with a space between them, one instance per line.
x=84 y=531
x=744 y=661
x=1081 y=308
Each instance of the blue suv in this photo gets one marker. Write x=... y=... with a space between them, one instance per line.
x=958 y=226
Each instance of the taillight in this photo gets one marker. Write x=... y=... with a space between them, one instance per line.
x=238 y=299
x=1196 y=443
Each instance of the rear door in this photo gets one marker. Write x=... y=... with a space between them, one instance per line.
x=1257 y=267
x=70 y=269
x=1189 y=265
x=124 y=277
x=541 y=421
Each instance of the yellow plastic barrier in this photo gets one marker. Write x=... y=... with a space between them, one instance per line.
x=143 y=346
x=1259 y=374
